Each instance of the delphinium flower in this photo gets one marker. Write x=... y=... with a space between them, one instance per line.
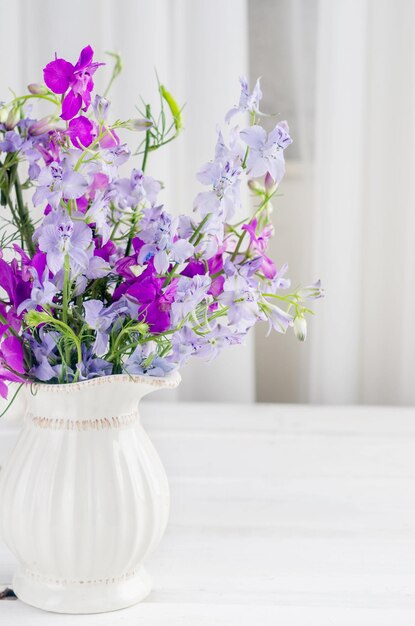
x=109 y=281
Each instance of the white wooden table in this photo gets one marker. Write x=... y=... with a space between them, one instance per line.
x=281 y=516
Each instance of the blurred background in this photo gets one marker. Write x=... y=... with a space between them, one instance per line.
x=342 y=73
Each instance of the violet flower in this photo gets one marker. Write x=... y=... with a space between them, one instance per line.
x=144 y=361
x=11 y=358
x=266 y=150
x=247 y=101
x=100 y=318
x=259 y=244
x=59 y=181
x=59 y=236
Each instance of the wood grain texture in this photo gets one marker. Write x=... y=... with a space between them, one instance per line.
x=286 y=515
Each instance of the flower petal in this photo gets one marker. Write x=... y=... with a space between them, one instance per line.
x=57 y=75
x=71 y=104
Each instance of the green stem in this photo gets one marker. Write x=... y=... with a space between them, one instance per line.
x=12 y=400
x=147 y=142
x=143 y=167
x=66 y=267
x=26 y=226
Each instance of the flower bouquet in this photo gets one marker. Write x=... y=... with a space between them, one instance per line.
x=107 y=281
x=102 y=288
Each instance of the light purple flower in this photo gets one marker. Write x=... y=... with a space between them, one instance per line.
x=136 y=189
x=44 y=352
x=279 y=319
x=99 y=319
x=266 y=150
x=59 y=181
x=242 y=299
x=92 y=366
x=189 y=293
x=98 y=214
x=59 y=236
x=42 y=293
x=158 y=231
x=144 y=360
x=100 y=106
x=12 y=142
x=223 y=175
x=247 y=101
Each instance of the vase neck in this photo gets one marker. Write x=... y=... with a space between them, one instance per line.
x=107 y=398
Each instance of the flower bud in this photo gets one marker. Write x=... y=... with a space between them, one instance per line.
x=34 y=318
x=311 y=292
x=42 y=126
x=300 y=327
x=3 y=114
x=36 y=89
x=138 y=124
x=255 y=186
x=270 y=184
x=100 y=106
x=12 y=119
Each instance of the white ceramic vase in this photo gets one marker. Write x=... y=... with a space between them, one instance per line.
x=84 y=498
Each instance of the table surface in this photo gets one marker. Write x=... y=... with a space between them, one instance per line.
x=288 y=515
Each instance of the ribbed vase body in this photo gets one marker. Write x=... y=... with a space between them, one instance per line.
x=84 y=498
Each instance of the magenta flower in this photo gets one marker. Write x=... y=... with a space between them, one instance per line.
x=81 y=131
x=259 y=244
x=61 y=76
x=11 y=363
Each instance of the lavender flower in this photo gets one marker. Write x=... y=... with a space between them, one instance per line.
x=59 y=181
x=266 y=150
x=144 y=360
x=247 y=101
x=59 y=236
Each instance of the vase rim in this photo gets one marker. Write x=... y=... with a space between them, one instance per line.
x=171 y=381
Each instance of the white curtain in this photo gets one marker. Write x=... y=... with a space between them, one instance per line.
x=364 y=215
x=199 y=49
x=343 y=73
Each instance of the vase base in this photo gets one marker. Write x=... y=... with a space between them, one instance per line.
x=81 y=597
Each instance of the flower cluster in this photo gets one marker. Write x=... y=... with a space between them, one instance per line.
x=108 y=281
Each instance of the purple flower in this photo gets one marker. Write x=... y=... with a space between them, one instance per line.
x=59 y=236
x=247 y=101
x=145 y=361
x=259 y=244
x=12 y=142
x=42 y=293
x=154 y=304
x=60 y=75
x=100 y=319
x=187 y=343
x=138 y=188
x=241 y=298
x=100 y=106
x=11 y=363
x=266 y=150
x=311 y=292
x=158 y=232
x=44 y=351
x=59 y=181
x=223 y=175
x=92 y=366
x=98 y=214
x=279 y=319
x=189 y=293
x=81 y=131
